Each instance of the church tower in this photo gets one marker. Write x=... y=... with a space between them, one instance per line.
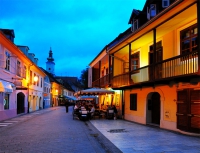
x=50 y=63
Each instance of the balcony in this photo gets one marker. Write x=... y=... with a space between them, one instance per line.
x=102 y=82
x=169 y=69
x=175 y=68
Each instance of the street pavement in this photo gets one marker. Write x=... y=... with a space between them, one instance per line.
x=54 y=130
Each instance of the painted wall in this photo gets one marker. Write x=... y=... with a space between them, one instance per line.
x=168 y=105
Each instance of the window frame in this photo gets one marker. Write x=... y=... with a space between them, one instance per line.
x=135 y=57
x=41 y=82
x=6 y=101
x=165 y=1
x=135 y=25
x=151 y=10
x=190 y=37
x=133 y=101
x=18 y=68
x=8 y=60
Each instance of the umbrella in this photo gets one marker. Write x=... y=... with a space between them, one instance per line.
x=94 y=91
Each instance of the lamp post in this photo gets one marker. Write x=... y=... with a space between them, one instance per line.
x=35 y=79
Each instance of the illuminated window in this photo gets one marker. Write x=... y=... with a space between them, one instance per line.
x=6 y=101
x=34 y=82
x=38 y=81
x=7 y=61
x=135 y=61
x=31 y=77
x=188 y=39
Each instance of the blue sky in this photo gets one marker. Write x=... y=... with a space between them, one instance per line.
x=76 y=30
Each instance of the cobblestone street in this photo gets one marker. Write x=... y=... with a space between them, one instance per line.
x=51 y=130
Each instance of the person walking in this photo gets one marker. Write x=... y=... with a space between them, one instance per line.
x=115 y=112
x=66 y=105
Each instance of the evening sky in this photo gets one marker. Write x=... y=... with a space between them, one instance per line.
x=76 y=30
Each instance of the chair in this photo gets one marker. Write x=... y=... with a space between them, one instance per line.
x=75 y=114
x=110 y=114
x=84 y=115
x=96 y=113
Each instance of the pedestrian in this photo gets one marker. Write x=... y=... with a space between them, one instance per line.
x=66 y=105
x=115 y=112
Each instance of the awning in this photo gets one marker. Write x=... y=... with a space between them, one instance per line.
x=94 y=91
x=6 y=87
x=71 y=97
x=87 y=97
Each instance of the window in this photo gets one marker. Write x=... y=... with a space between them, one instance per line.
x=152 y=10
x=31 y=77
x=38 y=80
x=165 y=3
x=41 y=83
x=7 y=61
x=134 y=25
x=18 y=68
x=24 y=74
x=34 y=80
x=188 y=39
x=6 y=101
x=133 y=101
x=135 y=61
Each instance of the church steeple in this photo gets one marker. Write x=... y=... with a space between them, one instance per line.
x=50 y=58
x=50 y=63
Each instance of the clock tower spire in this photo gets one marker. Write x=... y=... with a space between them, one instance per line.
x=50 y=63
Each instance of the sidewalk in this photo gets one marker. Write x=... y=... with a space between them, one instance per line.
x=131 y=137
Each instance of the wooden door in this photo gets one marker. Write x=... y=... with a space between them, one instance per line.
x=158 y=66
x=188 y=110
x=195 y=111
x=182 y=109
x=155 y=69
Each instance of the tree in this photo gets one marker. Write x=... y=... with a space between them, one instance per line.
x=84 y=78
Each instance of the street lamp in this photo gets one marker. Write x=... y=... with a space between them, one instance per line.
x=35 y=79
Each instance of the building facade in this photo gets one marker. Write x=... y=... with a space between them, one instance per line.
x=19 y=93
x=155 y=66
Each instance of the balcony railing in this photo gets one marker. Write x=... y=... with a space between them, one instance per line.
x=181 y=65
x=102 y=82
x=177 y=66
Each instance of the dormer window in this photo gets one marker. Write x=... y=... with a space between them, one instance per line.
x=134 y=25
x=151 y=11
x=165 y=3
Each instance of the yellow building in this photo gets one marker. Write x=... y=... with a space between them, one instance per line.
x=155 y=66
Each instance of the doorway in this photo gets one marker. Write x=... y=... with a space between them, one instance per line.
x=155 y=71
x=153 y=108
x=20 y=103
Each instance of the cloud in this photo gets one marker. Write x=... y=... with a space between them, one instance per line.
x=77 y=30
